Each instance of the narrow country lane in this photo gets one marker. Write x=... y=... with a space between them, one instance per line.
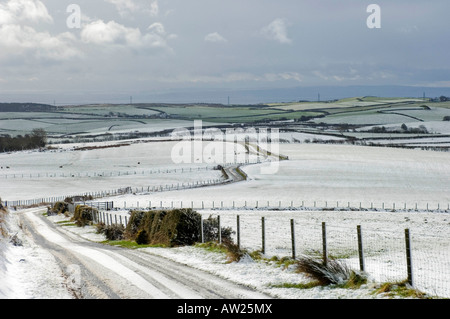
x=97 y=271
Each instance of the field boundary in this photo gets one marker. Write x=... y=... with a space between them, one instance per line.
x=421 y=261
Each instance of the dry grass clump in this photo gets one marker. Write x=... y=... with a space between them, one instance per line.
x=333 y=272
x=400 y=289
x=231 y=250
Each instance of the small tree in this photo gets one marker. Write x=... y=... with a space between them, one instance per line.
x=39 y=137
x=404 y=127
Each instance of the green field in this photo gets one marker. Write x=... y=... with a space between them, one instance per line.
x=346 y=115
x=230 y=114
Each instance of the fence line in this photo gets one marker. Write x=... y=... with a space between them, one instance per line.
x=278 y=205
x=103 y=174
x=88 y=196
x=423 y=261
x=227 y=205
x=386 y=256
x=122 y=173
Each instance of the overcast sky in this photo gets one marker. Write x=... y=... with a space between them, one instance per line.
x=132 y=46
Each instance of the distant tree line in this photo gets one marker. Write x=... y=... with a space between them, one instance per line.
x=403 y=129
x=37 y=139
x=26 y=107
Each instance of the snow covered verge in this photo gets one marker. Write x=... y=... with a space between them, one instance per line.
x=28 y=272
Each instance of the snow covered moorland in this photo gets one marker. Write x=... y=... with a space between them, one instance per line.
x=386 y=190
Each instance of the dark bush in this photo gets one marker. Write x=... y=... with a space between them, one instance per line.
x=134 y=224
x=59 y=208
x=171 y=228
x=211 y=230
x=84 y=215
x=112 y=232
x=100 y=227
x=142 y=237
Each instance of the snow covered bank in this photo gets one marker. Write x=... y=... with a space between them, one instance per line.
x=26 y=270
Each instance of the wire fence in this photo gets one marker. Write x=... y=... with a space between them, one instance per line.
x=386 y=256
x=121 y=203
x=89 y=196
x=423 y=261
x=144 y=172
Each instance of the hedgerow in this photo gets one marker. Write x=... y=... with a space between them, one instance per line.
x=175 y=227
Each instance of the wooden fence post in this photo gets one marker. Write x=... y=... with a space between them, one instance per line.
x=220 y=230
x=360 y=249
x=263 y=235
x=201 y=229
x=324 y=243
x=293 y=238
x=238 y=231
x=409 y=257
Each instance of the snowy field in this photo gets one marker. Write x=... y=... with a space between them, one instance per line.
x=66 y=171
x=315 y=179
x=315 y=174
x=329 y=175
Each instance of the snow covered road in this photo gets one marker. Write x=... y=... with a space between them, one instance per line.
x=96 y=271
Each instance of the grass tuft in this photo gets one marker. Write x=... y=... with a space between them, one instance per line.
x=231 y=250
x=400 y=289
x=332 y=272
x=307 y=285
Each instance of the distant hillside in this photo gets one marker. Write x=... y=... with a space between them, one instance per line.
x=26 y=107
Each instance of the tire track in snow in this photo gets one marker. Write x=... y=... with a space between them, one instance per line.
x=96 y=255
x=124 y=273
